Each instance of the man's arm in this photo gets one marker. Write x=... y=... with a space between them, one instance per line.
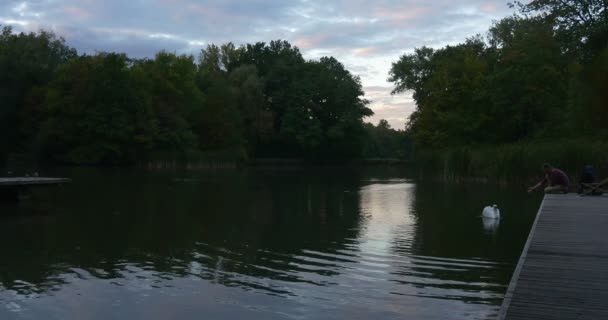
x=536 y=186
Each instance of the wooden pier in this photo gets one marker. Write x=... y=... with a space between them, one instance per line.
x=31 y=181
x=563 y=269
x=10 y=188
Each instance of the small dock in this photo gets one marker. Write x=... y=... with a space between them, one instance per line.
x=563 y=270
x=31 y=181
x=11 y=187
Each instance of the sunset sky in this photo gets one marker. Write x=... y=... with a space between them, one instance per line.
x=367 y=36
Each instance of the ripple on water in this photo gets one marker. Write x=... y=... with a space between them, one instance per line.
x=382 y=259
x=312 y=274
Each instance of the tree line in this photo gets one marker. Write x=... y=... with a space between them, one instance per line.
x=540 y=74
x=255 y=100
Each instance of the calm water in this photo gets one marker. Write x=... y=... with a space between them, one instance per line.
x=258 y=244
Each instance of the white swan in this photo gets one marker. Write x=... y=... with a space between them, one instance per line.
x=490 y=225
x=491 y=212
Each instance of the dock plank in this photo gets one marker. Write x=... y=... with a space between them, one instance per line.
x=563 y=269
x=31 y=181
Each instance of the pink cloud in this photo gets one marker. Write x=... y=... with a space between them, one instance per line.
x=403 y=15
x=489 y=7
x=312 y=41
x=77 y=12
x=395 y=109
x=365 y=51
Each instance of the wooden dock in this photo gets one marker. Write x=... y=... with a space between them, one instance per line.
x=563 y=269
x=30 y=181
x=10 y=188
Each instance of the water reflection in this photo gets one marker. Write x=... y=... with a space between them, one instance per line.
x=272 y=244
x=490 y=225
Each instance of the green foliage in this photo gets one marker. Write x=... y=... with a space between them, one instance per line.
x=528 y=84
x=449 y=87
x=257 y=100
x=383 y=142
x=28 y=62
x=91 y=111
x=327 y=119
x=533 y=91
x=255 y=111
x=172 y=98
x=513 y=162
x=538 y=75
x=285 y=106
x=581 y=25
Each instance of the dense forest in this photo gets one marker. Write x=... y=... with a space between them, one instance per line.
x=231 y=103
x=534 y=89
x=542 y=73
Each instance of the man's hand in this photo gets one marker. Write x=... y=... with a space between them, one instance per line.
x=536 y=186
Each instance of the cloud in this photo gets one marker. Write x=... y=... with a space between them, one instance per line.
x=365 y=35
x=489 y=7
x=395 y=109
x=77 y=13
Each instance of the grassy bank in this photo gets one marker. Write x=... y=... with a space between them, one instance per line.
x=217 y=159
x=519 y=162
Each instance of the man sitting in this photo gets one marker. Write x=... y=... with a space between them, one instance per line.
x=555 y=179
x=588 y=182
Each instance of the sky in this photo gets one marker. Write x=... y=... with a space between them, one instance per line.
x=366 y=35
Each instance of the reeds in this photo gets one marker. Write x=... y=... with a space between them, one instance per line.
x=513 y=162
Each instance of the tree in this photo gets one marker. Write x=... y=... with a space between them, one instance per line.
x=582 y=25
x=528 y=85
x=263 y=99
x=219 y=124
x=538 y=74
x=582 y=30
x=295 y=107
x=450 y=91
x=27 y=63
x=336 y=102
x=382 y=141
x=91 y=110
x=257 y=117
x=278 y=63
x=169 y=84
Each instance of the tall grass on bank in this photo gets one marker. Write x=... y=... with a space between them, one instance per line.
x=27 y=163
x=224 y=158
x=521 y=162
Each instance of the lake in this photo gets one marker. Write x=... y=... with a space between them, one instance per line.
x=259 y=243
